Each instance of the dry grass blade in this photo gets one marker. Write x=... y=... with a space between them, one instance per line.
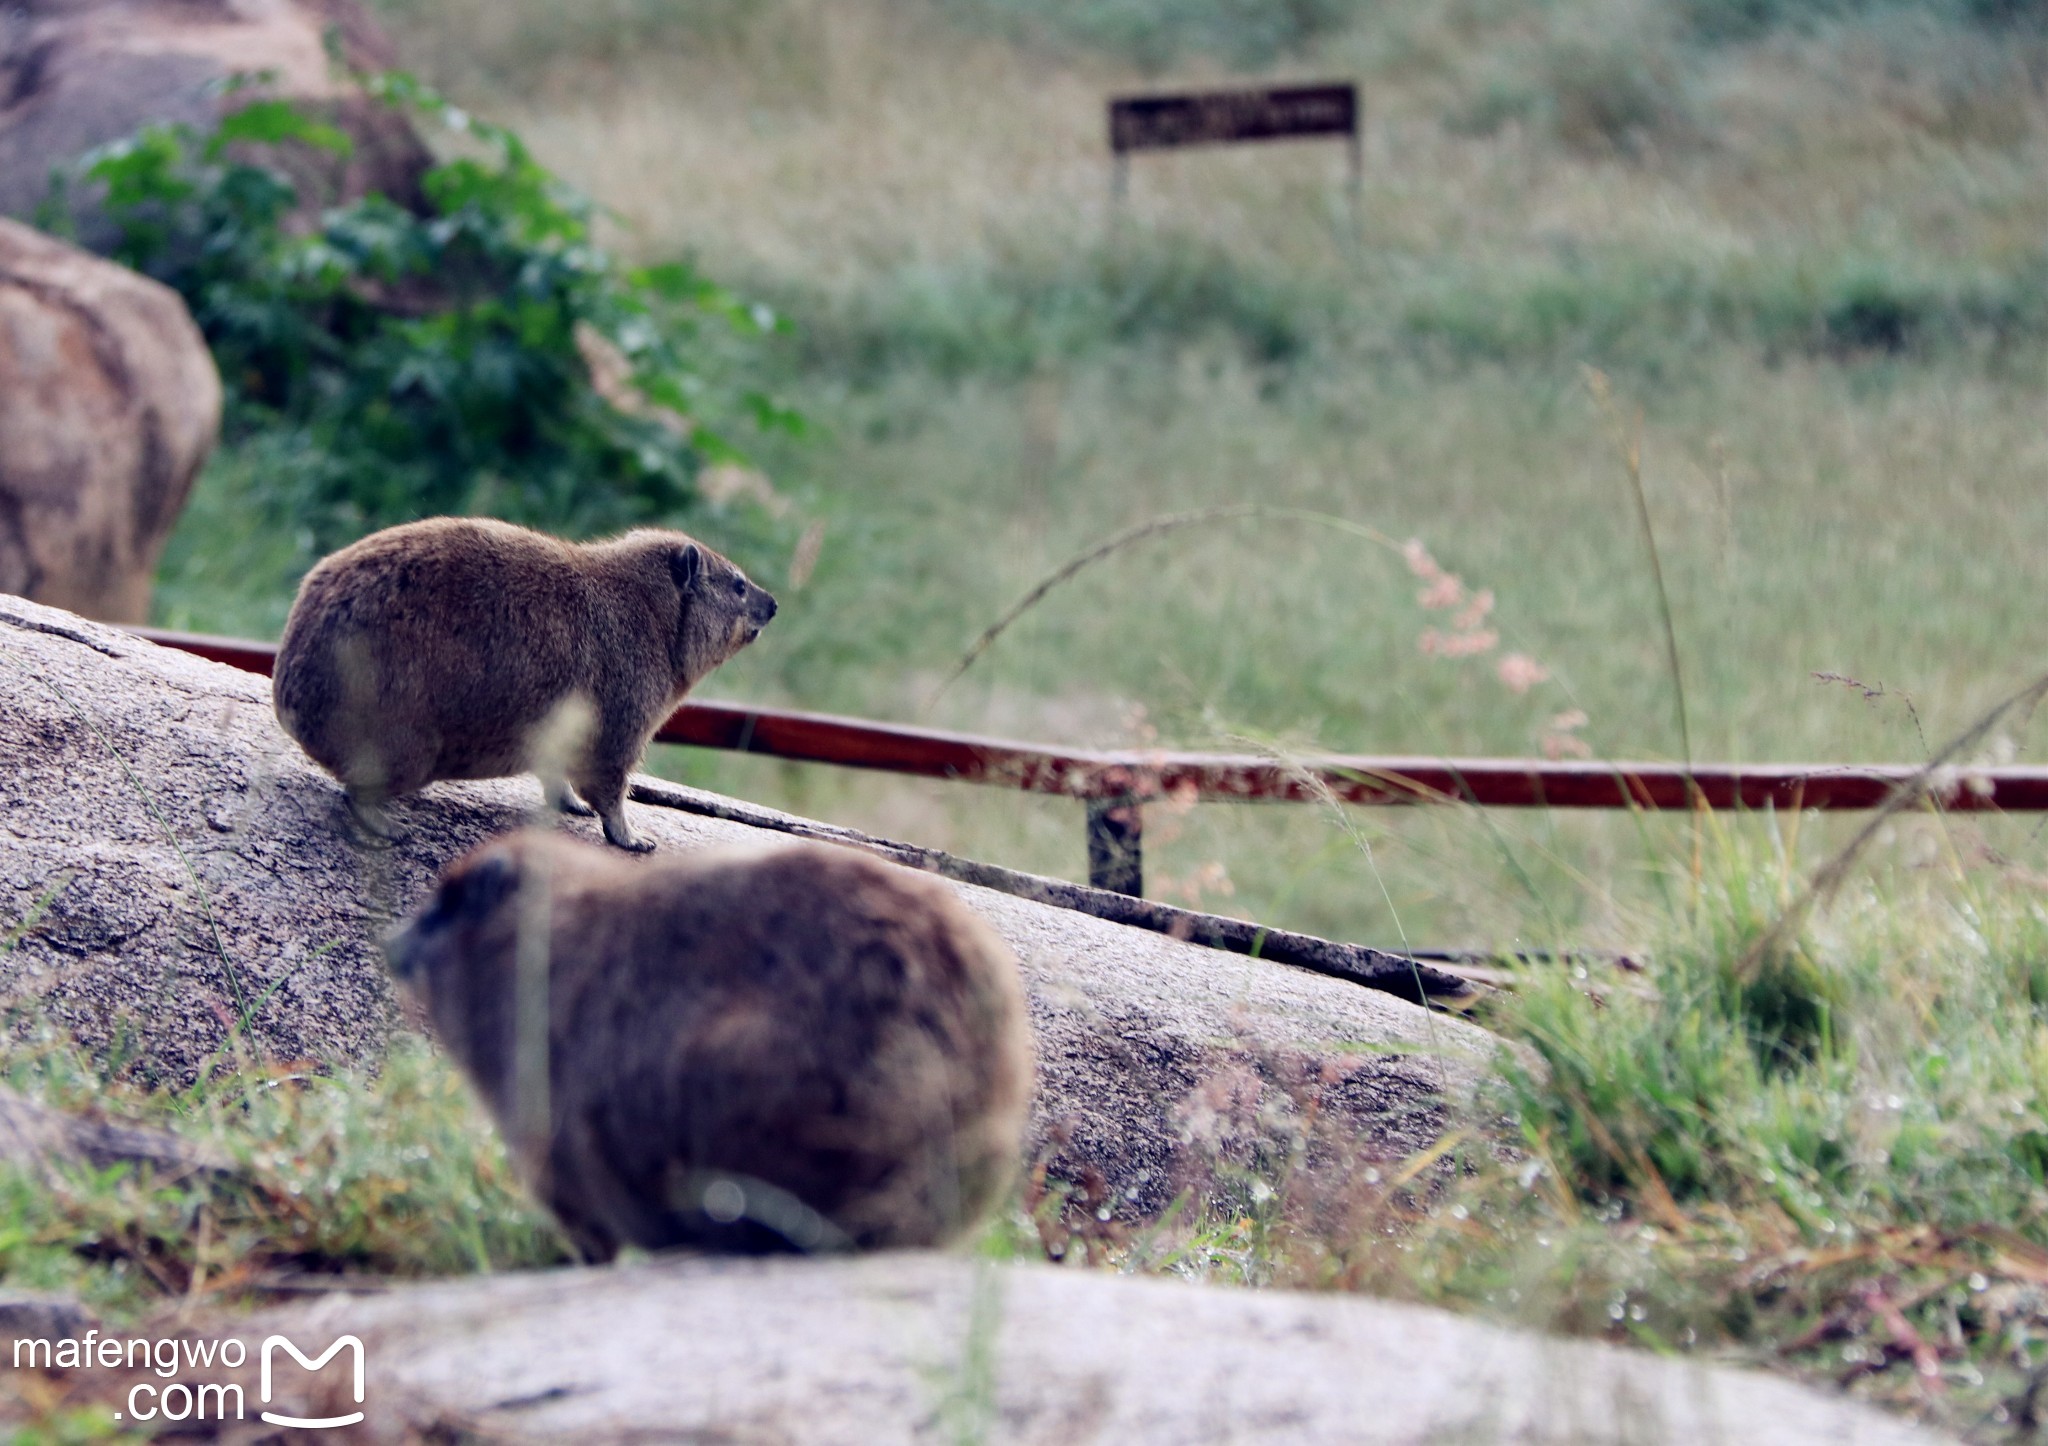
x=1156 y=526
x=1926 y=1360
x=1628 y=439
x=1830 y=875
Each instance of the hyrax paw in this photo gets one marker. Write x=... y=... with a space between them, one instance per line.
x=618 y=835
x=373 y=825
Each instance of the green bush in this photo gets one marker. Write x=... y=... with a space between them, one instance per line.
x=1734 y=21
x=1612 y=307
x=486 y=356
x=2007 y=12
x=1726 y=21
x=1718 y=1070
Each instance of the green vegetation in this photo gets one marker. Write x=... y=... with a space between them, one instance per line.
x=323 y=1174
x=485 y=356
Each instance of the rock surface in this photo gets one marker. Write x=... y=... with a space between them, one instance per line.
x=921 y=1347
x=187 y=871
x=75 y=74
x=109 y=406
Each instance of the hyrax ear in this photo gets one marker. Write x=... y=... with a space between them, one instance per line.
x=686 y=562
x=481 y=887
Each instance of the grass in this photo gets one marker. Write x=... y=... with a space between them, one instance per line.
x=1802 y=241
x=397 y=1175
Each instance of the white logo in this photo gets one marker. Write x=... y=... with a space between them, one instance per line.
x=312 y=1423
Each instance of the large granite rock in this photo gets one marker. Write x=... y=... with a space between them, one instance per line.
x=75 y=74
x=109 y=406
x=919 y=1347
x=191 y=877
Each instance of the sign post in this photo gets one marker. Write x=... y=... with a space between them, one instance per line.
x=1229 y=117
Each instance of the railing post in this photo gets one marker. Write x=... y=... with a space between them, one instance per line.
x=1116 y=839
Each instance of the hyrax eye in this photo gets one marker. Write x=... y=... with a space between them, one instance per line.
x=739 y=587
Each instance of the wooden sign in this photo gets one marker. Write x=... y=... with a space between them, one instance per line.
x=1161 y=122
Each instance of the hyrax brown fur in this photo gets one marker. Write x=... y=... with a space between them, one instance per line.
x=468 y=648
x=795 y=1049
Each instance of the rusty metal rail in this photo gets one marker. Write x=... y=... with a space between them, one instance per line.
x=1116 y=784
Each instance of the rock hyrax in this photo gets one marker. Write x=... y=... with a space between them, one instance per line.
x=467 y=648
x=795 y=1049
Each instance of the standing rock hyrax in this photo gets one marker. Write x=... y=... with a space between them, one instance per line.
x=467 y=648
x=803 y=1048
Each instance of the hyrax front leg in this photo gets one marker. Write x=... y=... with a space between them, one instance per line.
x=617 y=831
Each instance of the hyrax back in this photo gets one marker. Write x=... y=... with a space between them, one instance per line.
x=467 y=648
x=795 y=1049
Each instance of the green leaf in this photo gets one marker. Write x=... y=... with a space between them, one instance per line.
x=144 y=167
x=269 y=122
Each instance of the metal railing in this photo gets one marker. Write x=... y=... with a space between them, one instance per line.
x=1115 y=785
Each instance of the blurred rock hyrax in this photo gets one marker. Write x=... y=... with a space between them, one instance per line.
x=802 y=1049
x=467 y=648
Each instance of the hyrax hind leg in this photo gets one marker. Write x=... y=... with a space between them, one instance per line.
x=562 y=738
x=604 y=787
x=562 y=798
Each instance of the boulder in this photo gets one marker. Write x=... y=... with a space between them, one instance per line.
x=109 y=405
x=924 y=1347
x=75 y=74
x=190 y=885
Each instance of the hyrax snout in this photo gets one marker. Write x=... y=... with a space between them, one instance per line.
x=468 y=648
x=795 y=1049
